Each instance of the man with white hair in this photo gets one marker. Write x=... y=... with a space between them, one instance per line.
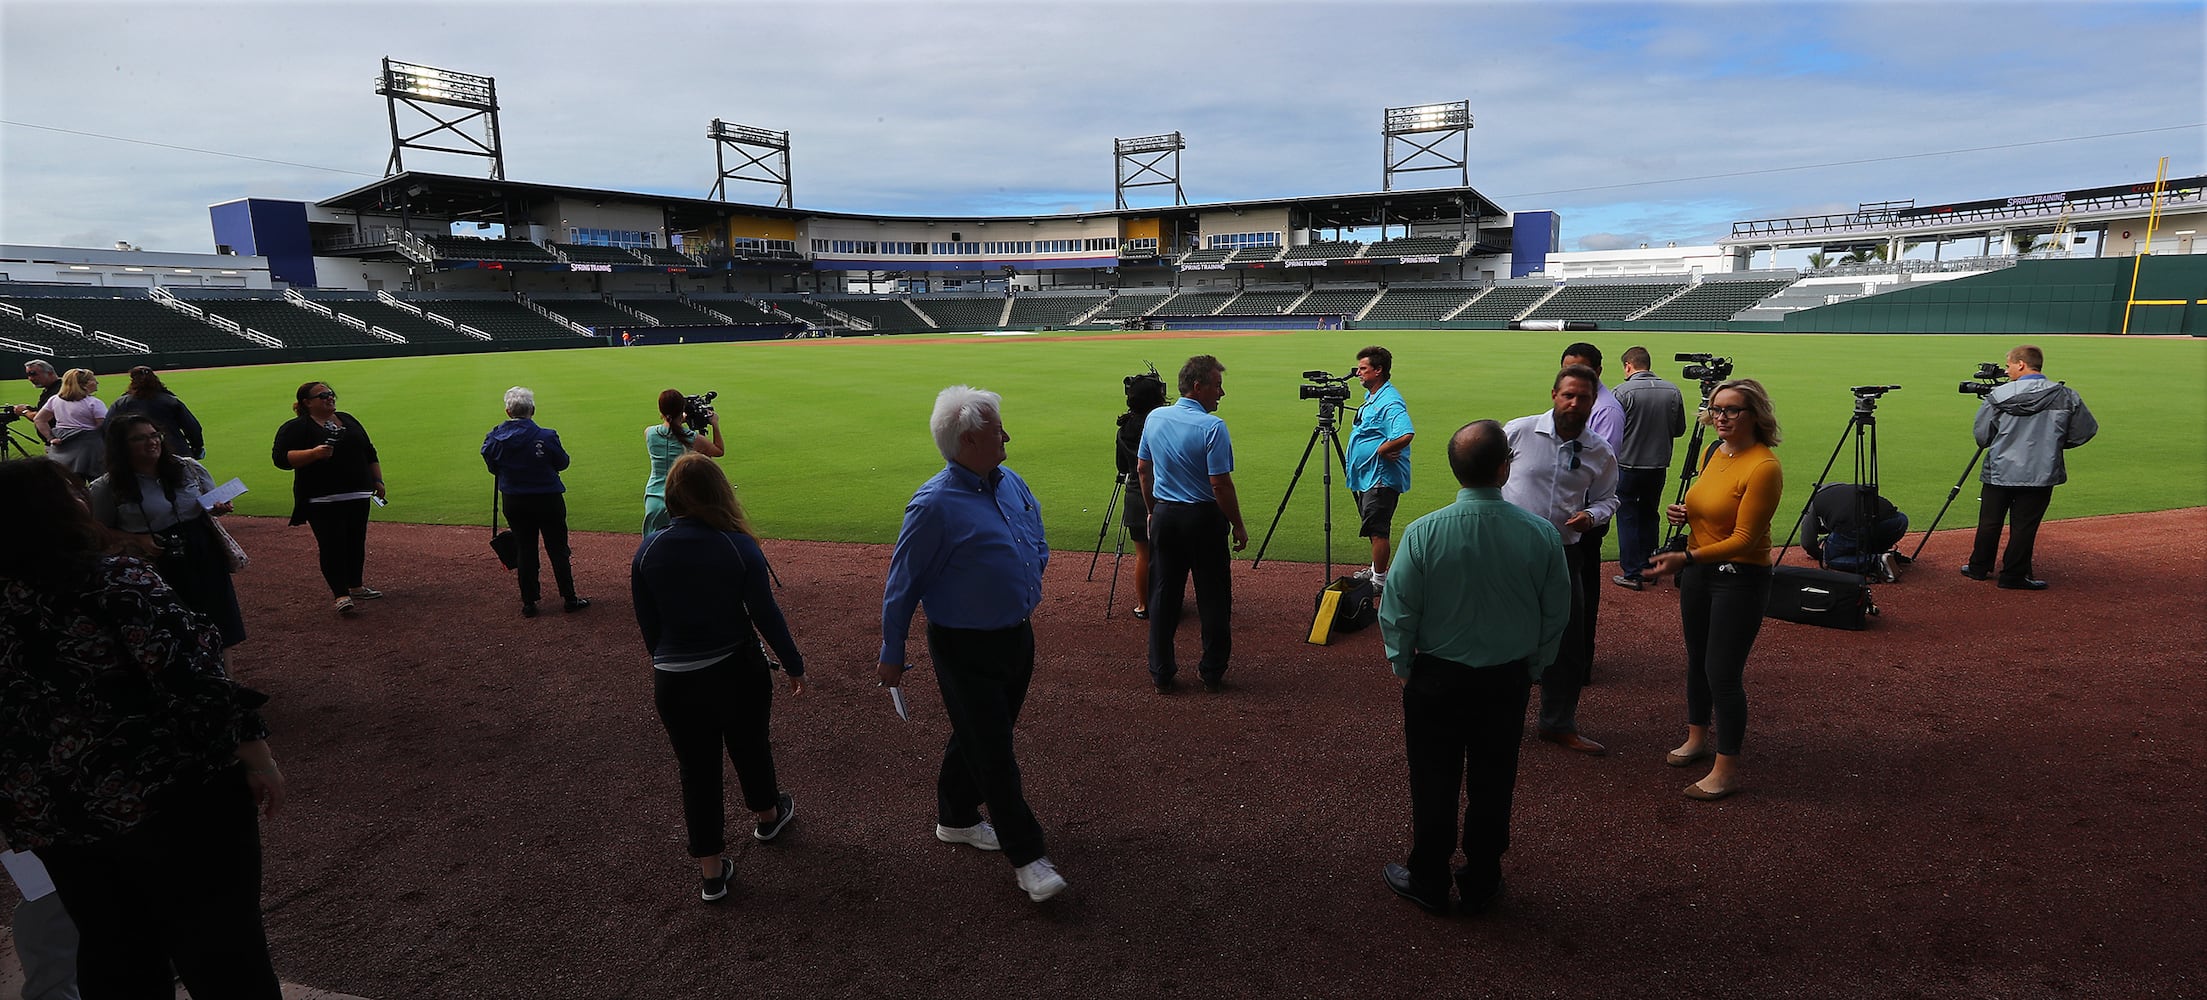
x=41 y=374
x=527 y=459
x=972 y=552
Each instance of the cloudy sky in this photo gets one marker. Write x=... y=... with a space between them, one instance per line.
x=1639 y=122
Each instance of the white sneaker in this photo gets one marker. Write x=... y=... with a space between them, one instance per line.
x=1040 y=879
x=980 y=835
x=1363 y=574
x=1889 y=564
x=1379 y=581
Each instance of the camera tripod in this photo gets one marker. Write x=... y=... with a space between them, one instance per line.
x=1862 y=429
x=1678 y=540
x=1950 y=495
x=1120 y=484
x=1327 y=405
x=16 y=441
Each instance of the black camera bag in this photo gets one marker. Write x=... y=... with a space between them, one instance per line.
x=501 y=539
x=1827 y=598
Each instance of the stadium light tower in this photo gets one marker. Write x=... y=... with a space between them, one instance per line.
x=1131 y=152
x=1441 y=121
x=755 y=146
x=419 y=88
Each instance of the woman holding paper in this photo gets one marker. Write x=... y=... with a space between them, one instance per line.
x=136 y=767
x=702 y=600
x=160 y=497
x=336 y=471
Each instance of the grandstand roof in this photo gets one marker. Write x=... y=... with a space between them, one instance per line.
x=486 y=200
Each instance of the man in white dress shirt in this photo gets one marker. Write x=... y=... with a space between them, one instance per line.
x=1566 y=475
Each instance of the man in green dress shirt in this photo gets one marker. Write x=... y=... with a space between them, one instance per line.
x=1474 y=610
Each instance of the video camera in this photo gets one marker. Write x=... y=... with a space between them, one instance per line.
x=8 y=414
x=1328 y=386
x=1990 y=376
x=697 y=411
x=1708 y=369
x=1145 y=391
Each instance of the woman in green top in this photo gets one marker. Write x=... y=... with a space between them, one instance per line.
x=666 y=441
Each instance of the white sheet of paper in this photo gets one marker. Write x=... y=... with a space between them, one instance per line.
x=29 y=874
x=342 y=497
x=896 y=700
x=224 y=493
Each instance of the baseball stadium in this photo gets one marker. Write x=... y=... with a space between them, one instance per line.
x=479 y=802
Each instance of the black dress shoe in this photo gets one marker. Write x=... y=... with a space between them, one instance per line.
x=575 y=604
x=1472 y=905
x=1141 y=614
x=1398 y=879
x=528 y=609
x=2023 y=584
x=1974 y=573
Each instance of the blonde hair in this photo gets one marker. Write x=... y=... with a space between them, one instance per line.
x=78 y=383
x=696 y=488
x=1758 y=407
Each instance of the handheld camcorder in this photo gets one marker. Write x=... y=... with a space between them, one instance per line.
x=1145 y=391
x=1990 y=376
x=697 y=411
x=1705 y=367
x=1327 y=386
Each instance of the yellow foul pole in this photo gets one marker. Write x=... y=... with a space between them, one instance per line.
x=2153 y=221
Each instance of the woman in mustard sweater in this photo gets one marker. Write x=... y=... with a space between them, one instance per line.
x=1724 y=576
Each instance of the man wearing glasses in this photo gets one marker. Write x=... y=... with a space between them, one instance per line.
x=1567 y=476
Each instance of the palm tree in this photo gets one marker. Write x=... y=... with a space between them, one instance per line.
x=1819 y=260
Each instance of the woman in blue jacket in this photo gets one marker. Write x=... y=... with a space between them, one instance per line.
x=527 y=460
x=701 y=596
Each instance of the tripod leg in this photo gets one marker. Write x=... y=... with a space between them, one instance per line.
x=1118 y=552
x=1284 y=497
x=1853 y=421
x=1117 y=484
x=1950 y=495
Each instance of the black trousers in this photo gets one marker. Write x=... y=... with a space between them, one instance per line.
x=181 y=890
x=1462 y=727
x=983 y=676
x=1189 y=538
x=1564 y=680
x=1639 y=495
x=2022 y=507
x=1721 y=607
x=341 y=540
x=1585 y=557
x=533 y=514
x=723 y=706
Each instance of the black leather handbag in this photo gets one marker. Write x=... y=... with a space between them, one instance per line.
x=502 y=541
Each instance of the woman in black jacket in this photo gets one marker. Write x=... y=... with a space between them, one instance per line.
x=335 y=472
x=701 y=596
x=149 y=396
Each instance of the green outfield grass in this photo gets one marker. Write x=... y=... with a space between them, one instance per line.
x=827 y=439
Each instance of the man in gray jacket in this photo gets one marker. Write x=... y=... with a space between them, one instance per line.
x=2024 y=425
x=1655 y=417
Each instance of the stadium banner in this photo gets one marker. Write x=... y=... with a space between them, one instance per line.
x=1281 y=265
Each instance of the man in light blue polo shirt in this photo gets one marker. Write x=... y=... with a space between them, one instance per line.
x=1379 y=455
x=1186 y=463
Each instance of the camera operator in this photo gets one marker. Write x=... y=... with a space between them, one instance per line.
x=670 y=439
x=41 y=374
x=2024 y=425
x=1186 y=462
x=1378 y=456
x=1862 y=527
x=1565 y=474
x=1144 y=393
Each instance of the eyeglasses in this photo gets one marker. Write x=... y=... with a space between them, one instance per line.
x=325 y=394
x=1728 y=412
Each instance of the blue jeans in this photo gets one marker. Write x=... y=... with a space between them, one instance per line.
x=1844 y=553
x=1639 y=495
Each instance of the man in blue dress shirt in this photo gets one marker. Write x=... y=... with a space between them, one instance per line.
x=972 y=552
x=1186 y=462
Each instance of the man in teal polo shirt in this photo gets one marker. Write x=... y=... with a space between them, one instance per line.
x=1186 y=463
x=1379 y=455
x=1474 y=612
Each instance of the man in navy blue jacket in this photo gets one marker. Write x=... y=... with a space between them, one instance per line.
x=527 y=460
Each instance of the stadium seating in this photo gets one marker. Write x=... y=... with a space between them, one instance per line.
x=963 y=312
x=1336 y=302
x=1033 y=311
x=503 y=319
x=294 y=325
x=674 y=312
x=591 y=312
x=415 y=329
x=65 y=347
x=136 y=318
x=1717 y=300
x=1211 y=256
x=1263 y=301
x=1134 y=302
x=1404 y=304
x=583 y=253
x=801 y=308
x=1325 y=250
x=1412 y=246
x=665 y=257
x=886 y=315
x=1590 y=301
x=470 y=248
x=1503 y=302
x=1197 y=303
x=1257 y=253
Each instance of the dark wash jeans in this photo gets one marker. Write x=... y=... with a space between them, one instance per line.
x=1639 y=499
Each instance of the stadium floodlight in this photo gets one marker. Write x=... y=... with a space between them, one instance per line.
x=755 y=146
x=1451 y=121
x=1145 y=154
x=416 y=86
